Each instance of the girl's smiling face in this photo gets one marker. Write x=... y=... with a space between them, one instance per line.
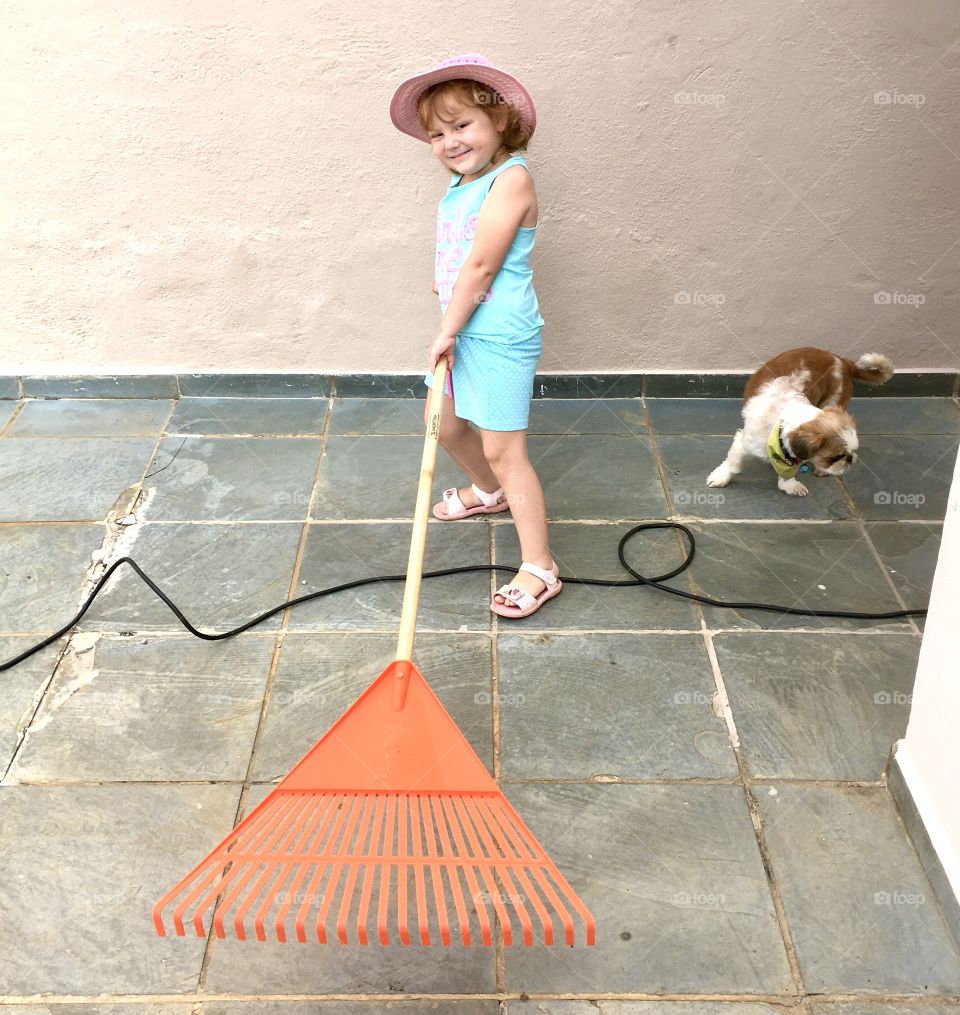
x=467 y=143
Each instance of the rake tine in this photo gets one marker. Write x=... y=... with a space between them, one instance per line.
x=306 y=825
x=492 y=852
x=369 y=872
x=500 y=834
x=513 y=819
x=521 y=874
x=327 y=811
x=286 y=830
x=413 y=802
x=402 y=915
x=539 y=873
x=211 y=863
x=291 y=825
x=440 y=823
x=357 y=805
x=341 y=808
x=481 y=910
x=274 y=833
x=436 y=870
x=238 y=842
x=385 y=870
x=366 y=812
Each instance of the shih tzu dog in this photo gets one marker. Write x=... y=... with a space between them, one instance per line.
x=795 y=416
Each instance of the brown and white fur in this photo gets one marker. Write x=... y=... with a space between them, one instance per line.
x=809 y=389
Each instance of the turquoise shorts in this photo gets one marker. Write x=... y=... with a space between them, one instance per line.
x=492 y=382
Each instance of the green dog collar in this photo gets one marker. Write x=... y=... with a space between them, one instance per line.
x=786 y=465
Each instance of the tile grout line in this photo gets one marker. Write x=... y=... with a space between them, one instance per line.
x=857 y=516
x=268 y=687
x=787 y=1002
x=753 y=810
x=177 y=633
x=585 y=781
x=17 y=410
x=738 y=753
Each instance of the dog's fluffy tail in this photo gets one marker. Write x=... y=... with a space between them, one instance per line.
x=872 y=368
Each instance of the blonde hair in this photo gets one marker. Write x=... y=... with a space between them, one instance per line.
x=445 y=96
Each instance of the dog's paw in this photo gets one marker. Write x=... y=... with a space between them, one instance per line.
x=720 y=476
x=793 y=486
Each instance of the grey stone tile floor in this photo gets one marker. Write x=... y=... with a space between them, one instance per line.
x=710 y=781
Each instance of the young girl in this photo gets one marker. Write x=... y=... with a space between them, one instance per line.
x=476 y=118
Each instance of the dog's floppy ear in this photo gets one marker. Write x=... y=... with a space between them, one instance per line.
x=804 y=441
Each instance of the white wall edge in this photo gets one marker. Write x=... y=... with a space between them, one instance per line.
x=946 y=854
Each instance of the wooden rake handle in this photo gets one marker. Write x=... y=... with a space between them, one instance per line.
x=418 y=541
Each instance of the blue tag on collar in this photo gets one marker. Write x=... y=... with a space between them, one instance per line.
x=806 y=467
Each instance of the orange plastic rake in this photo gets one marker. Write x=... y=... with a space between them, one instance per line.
x=391 y=807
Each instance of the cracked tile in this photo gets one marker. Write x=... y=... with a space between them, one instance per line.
x=150 y=709
x=20 y=690
x=229 y=479
x=71 y=480
x=220 y=576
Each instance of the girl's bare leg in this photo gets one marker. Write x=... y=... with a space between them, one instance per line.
x=465 y=446
x=506 y=452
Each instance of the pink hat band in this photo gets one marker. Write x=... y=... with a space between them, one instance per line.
x=403 y=105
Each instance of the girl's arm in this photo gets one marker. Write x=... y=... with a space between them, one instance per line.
x=510 y=198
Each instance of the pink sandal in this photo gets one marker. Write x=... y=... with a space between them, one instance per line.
x=451 y=507
x=522 y=603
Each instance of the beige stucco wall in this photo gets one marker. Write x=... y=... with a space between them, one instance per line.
x=217 y=185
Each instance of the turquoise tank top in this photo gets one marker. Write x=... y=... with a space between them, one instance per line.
x=510 y=308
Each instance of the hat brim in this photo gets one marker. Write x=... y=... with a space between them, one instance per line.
x=403 y=105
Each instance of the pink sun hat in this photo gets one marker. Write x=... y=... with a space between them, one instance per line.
x=403 y=105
